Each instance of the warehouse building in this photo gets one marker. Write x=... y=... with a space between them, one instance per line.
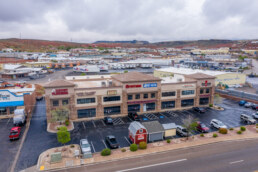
x=228 y=78
x=119 y=94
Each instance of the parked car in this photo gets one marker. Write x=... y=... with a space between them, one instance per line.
x=242 y=103
x=255 y=106
x=217 y=124
x=134 y=116
x=15 y=133
x=202 y=127
x=85 y=146
x=9 y=85
x=248 y=119
x=111 y=141
x=199 y=109
x=108 y=120
x=181 y=131
x=248 y=104
x=19 y=117
x=255 y=115
x=38 y=98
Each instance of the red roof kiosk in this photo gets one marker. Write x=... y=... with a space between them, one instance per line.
x=137 y=132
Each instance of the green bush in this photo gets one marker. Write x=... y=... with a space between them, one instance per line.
x=215 y=135
x=223 y=131
x=123 y=150
x=239 y=132
x=242 y=128
x=105 y=152
x=133 y=147
x=142 y=145
x=72 y=146
x=231 y=129
x=202 y=135
x=168 y=140
x=210 y=105
x=257 y=124
x=67 y=122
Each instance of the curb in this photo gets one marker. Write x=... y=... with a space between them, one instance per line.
x=51 y=131
x=160 y=152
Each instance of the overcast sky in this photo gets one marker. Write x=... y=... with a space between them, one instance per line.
x=151 y=20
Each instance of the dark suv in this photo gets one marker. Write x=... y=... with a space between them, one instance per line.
x=134 y=116
x=199 y=109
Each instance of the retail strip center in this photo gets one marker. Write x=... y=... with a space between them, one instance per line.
x=92 y=97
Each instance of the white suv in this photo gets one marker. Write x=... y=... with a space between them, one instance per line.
x=217 y=124
x=247 y=119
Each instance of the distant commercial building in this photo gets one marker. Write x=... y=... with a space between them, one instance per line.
x=117 y=95
x=229 y=78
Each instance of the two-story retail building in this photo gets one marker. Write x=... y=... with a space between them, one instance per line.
x=97 y=97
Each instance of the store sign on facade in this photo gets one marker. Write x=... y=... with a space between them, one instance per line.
x=149 y=85
x=81 y=94
x=133 y=86
x=206 y=83
x=11 y=98
x=111 y=92
x=188 y=86
x=59 y=91
x=4 y=97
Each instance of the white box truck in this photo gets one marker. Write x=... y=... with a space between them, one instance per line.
x=19 y=117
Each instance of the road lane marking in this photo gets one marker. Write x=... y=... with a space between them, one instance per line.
x=236 y=162
x=127 y=140
x=83 y=125
x=153 y=165
x=93 y=147
x=93 y=123
x=104 y=143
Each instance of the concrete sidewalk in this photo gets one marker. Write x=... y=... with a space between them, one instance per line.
x=250 y=133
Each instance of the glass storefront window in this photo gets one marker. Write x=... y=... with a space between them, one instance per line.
x=168 y=105
x=55 y=102
x=112 y=110
x=145 y=96
x=188 y=102
x=65 y=102
x=150 y=106
x=168 y=94
x=12 y=109
x=137 y=96
x=204 y=101
x=153 y=95
x=86 y=100
x=112 y=98
x=187 y=92
x=86 y=113
x=201 y=91
x=130 y=97
x=3 y=111
x=207 y=90
x=134 y=108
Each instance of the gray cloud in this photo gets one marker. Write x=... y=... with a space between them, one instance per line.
x=152 y=20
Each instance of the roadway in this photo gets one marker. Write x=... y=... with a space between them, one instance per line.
x=237 y=156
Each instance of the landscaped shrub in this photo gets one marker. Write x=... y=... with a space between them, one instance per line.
x=211 y=105
x=223 y=131
x=257 y=124
x=242 y=128
x=168 y=140
x=123 y=150
x=67 y=122
x=142 y=145
x=105 y=152
x=231 y=129
x=72 y=146
x=202 y=135
x=133 y=147
x=239 y=132
x=215 y=135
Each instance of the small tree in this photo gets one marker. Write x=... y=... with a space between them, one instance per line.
x=190 y=125
x=63 y=136
x=60 y=114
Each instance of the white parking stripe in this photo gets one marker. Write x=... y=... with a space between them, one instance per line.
x=93 y=123
x=236 y=162
x=104 y=143
x=153 y=165
x=92 y=147
x=83 y=125
x=130 y=119
x=8 y=121
x=103 y=122
x=127 y=140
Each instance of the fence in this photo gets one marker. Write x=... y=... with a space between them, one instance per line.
x=239 y=94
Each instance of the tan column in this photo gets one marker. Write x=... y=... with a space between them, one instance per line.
x=124 y=106
x=73 y=112
x=99 y=110
x=178 y=99
x=158 y=104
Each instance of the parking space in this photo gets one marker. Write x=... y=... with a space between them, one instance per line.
x=151 y=116
x=118 y=121
x=8 y=148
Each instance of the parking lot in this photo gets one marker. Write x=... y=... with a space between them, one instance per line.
x=8 y=149
x=39 y=140
x=96 y=131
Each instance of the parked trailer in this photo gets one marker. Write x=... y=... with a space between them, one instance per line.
x=87 y=69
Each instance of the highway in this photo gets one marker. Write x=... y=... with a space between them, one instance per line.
x=235 y=156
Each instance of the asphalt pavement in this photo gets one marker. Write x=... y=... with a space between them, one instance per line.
x=39 y=140
x=237 y=156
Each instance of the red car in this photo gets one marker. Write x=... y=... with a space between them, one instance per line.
x=15 y=133
x=202 y=127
